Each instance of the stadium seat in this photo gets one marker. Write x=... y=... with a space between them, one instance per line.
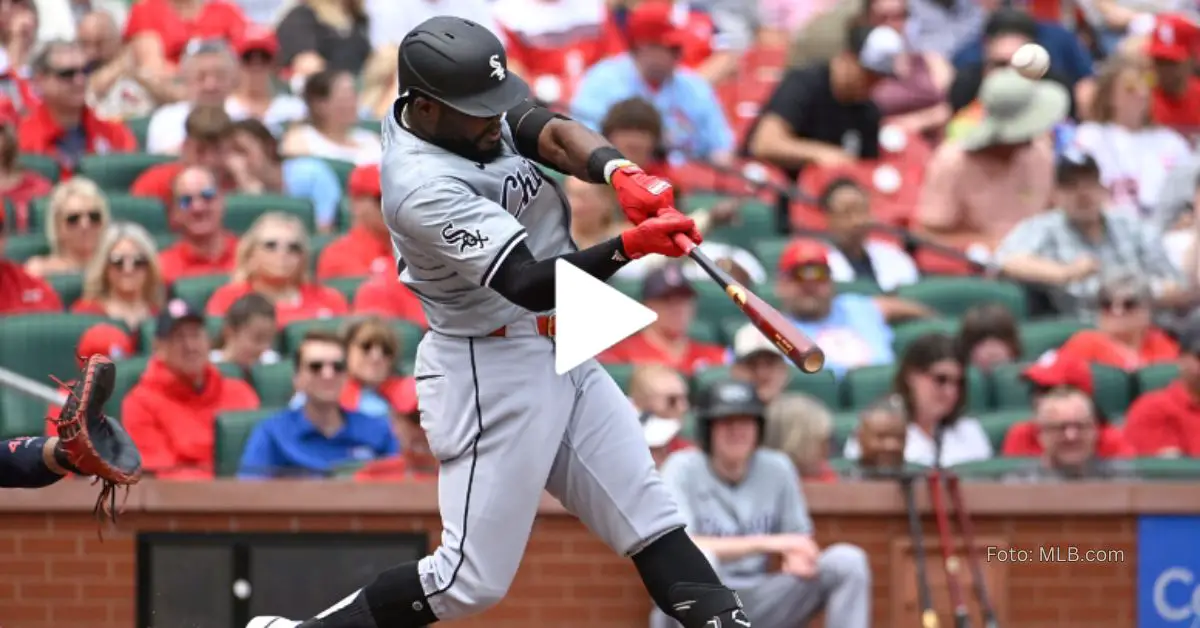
x=340 y=168
x=997 y=423
x=1155 y=377
x=41 y=164
x=631 y=288
x=68 y=286
x=316 y=244
x=822 y=385
x=768 y=252
x=1113 y=390
x=756 y=222
x=409 y=334
x=1167 y=468
x=863 y=386
x=273 y=383
x=866 y=287
x=993 y=468
x=10 y=214
x=116 y=172
x=231 y=431
x=140 y=127
x=345 y=219
x=129 y=371
x=844 y=425
x=905 y=333
x=953 y=296
x=621 y=373
x=711 y=301
x=345 y=285
x=164 y=240
x=20 y=248
x=241 y=210
x=1009 y=388
x=704 y=330
x=147 y=212
x=1038 y=337
x=197 y=290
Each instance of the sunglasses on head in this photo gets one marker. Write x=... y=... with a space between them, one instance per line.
x=70 y=74
x=186 y=201
x=370 y=345
x=93 y=217
x=316 y=367
x=129 y=262
x=291 y=246
x=1125 y=305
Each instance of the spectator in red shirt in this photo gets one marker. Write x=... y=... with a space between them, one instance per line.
x=123 y=280
x=384 y=295
x=374 y=388
x=272 y=260
x=18 y=34
x=196 y=213
x=75 y=220
x=1125 y=337
x=208 y=144
x=551 y=42
x=366 y=249
x=19 y=186
x=158 y=31
x=20 y=292
x=171 y=411
x=695 y=35
x=62 y=126
x=1068 y=432
x=1166 y=422
x=1176 y=89
x=667 y=292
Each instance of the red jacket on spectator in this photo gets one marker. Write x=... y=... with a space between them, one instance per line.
x=1168 y=418
x=22 y=293
x=316 y=301
x=358 y=253
x=217 y=19
x=694 y=30
x=638 y=349
x=1022 y=440
x=384 y=295
x=172 y=422
x=1095 y=347
x=40 y=134
x=394 y=469
x=183 y=260
x=29 y=187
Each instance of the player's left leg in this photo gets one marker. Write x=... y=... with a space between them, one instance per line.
x=604 y=474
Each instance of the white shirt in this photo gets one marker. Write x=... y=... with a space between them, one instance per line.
x=964 y=441
x=1133 y=164
x=365 y=147
x=57 y=18
x=390 y=20
x=167 y=126
x=893 y=267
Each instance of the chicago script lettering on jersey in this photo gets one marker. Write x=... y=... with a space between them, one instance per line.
x=520 y=187
x=463 y=238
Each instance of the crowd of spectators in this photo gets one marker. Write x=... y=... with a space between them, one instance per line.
x=1001 y=271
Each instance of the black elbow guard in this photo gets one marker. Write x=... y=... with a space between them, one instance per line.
x=526 y=121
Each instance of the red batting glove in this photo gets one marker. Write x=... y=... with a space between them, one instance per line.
x=641 y=196
x=656 y=235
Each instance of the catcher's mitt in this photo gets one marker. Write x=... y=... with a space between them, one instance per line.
x=92 y=443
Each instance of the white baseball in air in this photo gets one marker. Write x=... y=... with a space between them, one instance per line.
x=1031 y=61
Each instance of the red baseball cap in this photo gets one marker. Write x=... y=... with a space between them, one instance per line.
x=258 y=39
x=1050 y=371
x=1173 y=38
x=365 y=181
x=104 y=339
x=803 y=252
x=653 y=22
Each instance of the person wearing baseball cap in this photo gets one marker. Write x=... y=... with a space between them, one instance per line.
x=366 y=249
x=758 y=361
x=255 y=95
x=696 y=127
x=1166 y=422
x=667 y=291
x=1172 y=46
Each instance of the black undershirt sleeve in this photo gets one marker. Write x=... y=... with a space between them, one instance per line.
x=529 y=282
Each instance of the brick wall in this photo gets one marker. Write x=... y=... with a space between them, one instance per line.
x=55 y=572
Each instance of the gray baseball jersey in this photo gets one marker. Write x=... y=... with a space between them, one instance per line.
x=454 y=220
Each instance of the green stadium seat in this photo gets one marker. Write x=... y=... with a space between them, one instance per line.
x=997 y=423
x=10 y=213
x=164 y=240
x=1155 y=377
x=621 y=374
x=707 y=377
x=844 y=425
x=1038 y=337
x=116 y=172
x=711 y=301
x=140 y=127
x=1113 y=390
x=409 y=334
x=905 y=333
x=129 y=371
x=863 y=386
x=631 y=288
x=41 y=164
x=241 y=210
x=992 y=468
x=756 y=222
x=68 y=286
x=340 y=168
x=345 y=285
x=21 y=248
x=231 y=431
x=345 y=219
x=369 y=125
x=273 y=383
x=953 y=296
x=1166 y=468
x=147 y=212
x=197 y=290
x=822 y=385
x=703 y=330
x=146 y=332
x=1009 y=388
x=866 y=287
x=769 y=251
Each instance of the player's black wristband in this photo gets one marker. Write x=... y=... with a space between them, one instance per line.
x=598 y=161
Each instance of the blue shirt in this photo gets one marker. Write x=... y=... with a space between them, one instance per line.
x=694 y=123
x=854 y=334
x=287 y=444
x=1068 y=57
x=314 y=180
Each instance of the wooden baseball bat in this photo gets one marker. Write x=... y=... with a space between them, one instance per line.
x=929 y=618
x=967 y=530
x=798 y=348
x=962 y=617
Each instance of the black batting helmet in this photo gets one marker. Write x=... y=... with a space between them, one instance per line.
x=460 y=64
x=727 y=399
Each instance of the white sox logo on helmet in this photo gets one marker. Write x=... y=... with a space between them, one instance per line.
x=497 y=67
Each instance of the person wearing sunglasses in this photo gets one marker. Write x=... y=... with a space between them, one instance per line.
x=123 y=281
x=62 y=125
x=366 y=249
x=196 y=214
x=323 y=434
x=372 y=357
x=171 y=410
x=256 y=96
x=931 y=383
x=1125 y=336
x=660 y=391
x=273 y=260
x=76 y=218
x=1069 y=434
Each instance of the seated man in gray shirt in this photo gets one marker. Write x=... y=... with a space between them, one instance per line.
x=744 y=507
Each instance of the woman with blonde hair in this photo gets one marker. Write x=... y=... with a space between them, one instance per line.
x=272 y=259
x=801 y=427
x=318 y=35
x=123 y=281
x=75 y=219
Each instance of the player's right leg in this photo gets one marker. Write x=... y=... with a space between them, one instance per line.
x=493 y=409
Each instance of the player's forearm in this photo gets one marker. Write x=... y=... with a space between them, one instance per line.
x=734 y=547
x=569 y=145
x=529 y=282
x=29 y=463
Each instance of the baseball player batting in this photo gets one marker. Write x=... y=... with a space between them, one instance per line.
x=477 y=230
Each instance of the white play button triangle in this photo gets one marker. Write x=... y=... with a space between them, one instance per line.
x=591 y=316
